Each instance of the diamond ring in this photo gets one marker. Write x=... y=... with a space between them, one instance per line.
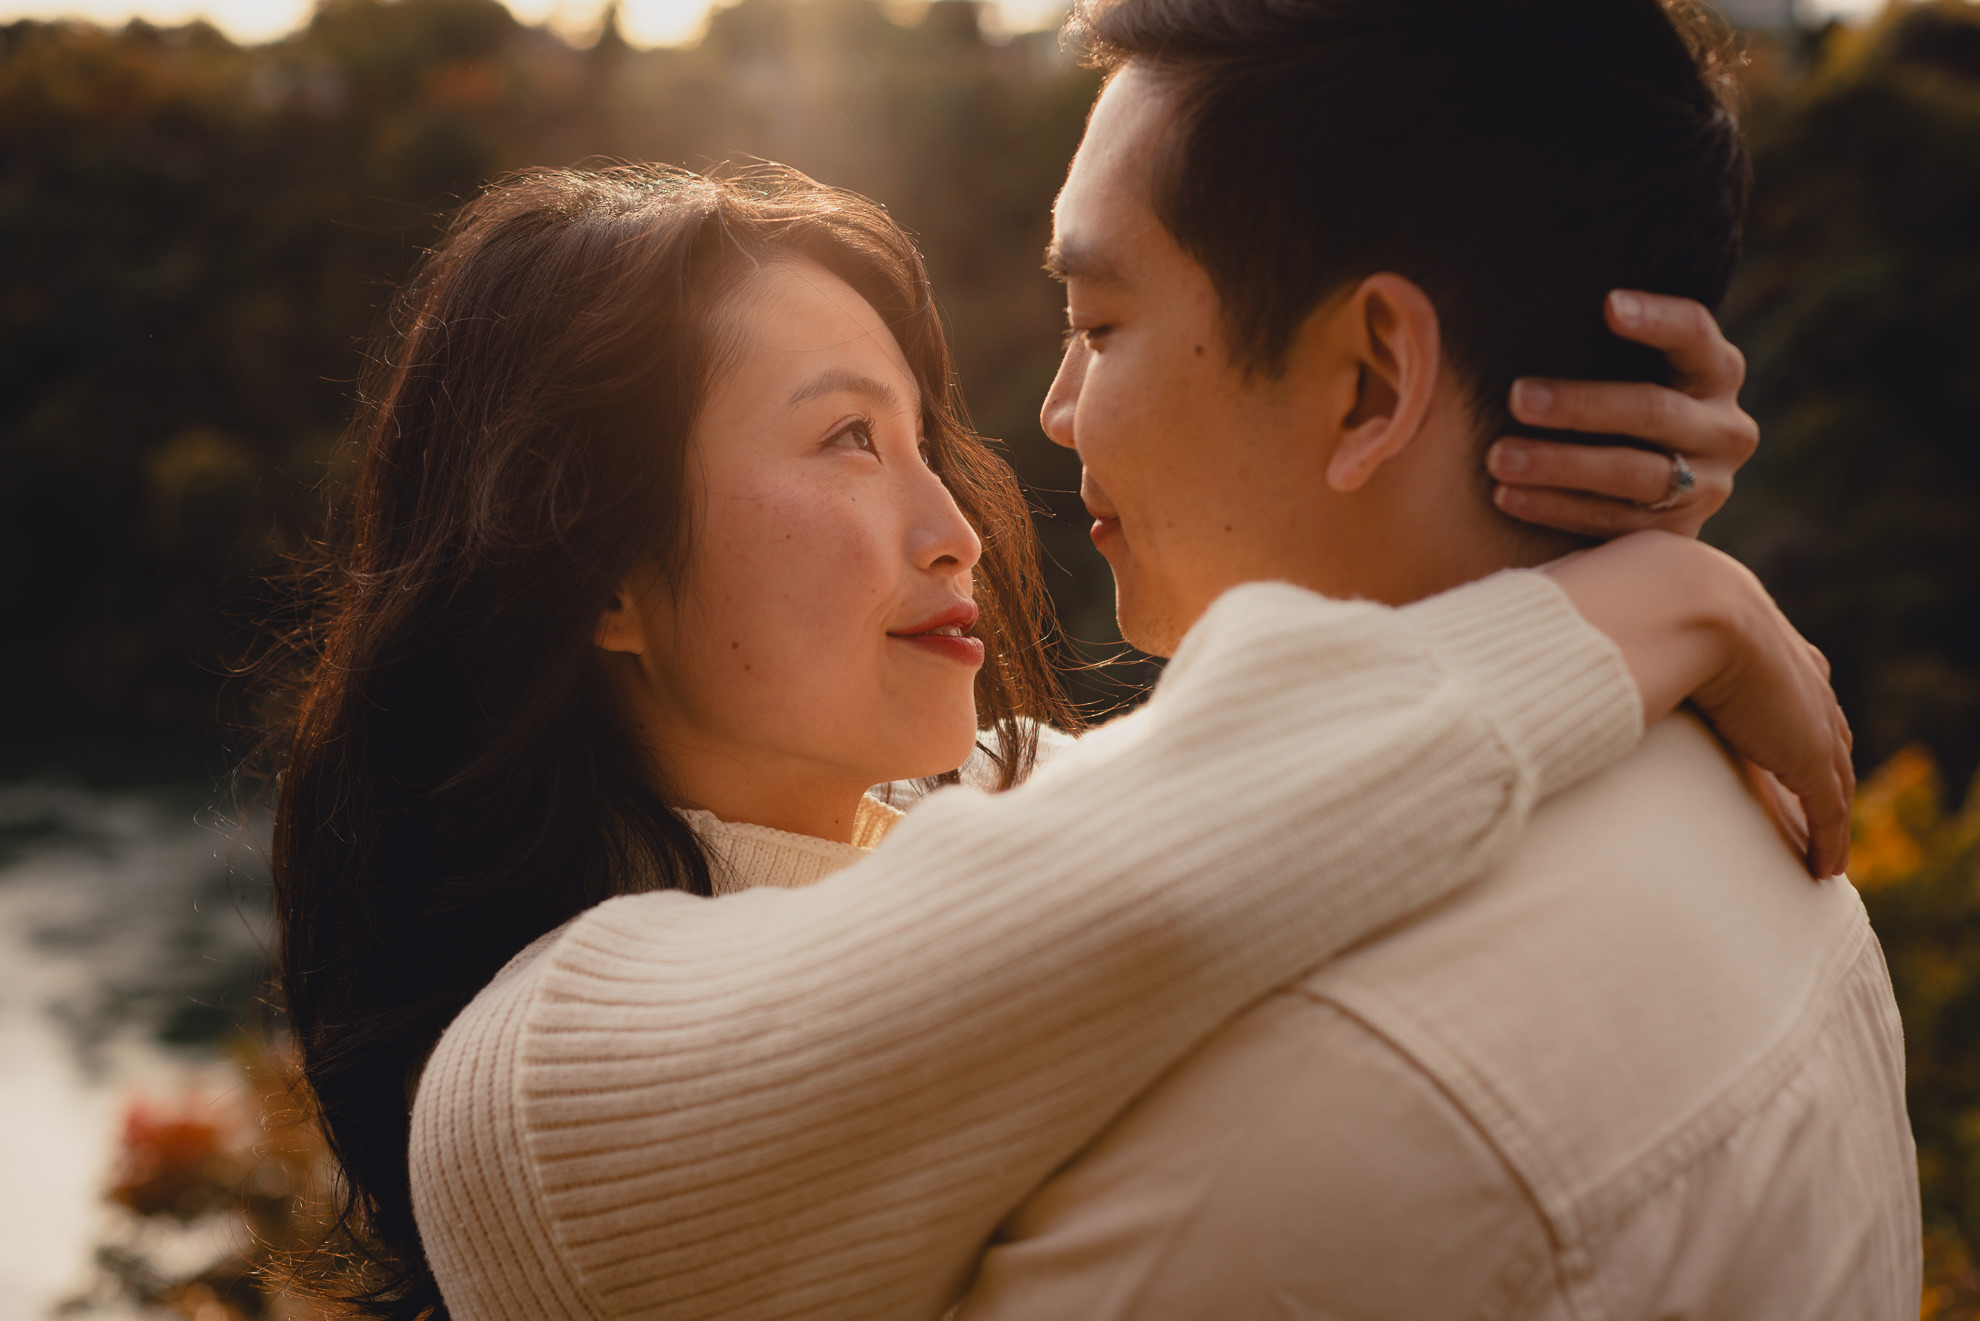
x=1681 y=483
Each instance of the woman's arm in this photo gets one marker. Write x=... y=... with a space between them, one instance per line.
x=819 y=1103
x=1693 y=623
x=1603 y=490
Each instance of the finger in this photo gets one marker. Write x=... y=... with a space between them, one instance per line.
x=1687 y=334
x=1616 y=471
x=1704 y=432
x=1828 y=794
x=1827 y=807
x=1782 y=806
x=1845 y=763
x=1837 y=861
x=1845 y=782
x=1593 y=515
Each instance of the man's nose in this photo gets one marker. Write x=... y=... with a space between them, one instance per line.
x=1062 y=400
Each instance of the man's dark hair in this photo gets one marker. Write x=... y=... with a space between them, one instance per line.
x=1517 y=159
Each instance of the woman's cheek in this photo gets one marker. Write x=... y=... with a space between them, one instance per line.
x=808 y=588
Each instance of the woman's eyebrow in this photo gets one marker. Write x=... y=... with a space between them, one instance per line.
x=842 y=380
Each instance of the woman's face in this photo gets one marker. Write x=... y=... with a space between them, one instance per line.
x=819 y=640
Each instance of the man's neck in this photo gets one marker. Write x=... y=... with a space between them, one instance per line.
x=1475 y=550
x=1406 y=555
x=1427 y=524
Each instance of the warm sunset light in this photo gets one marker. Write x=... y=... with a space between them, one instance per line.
x=644 y=22
x=506 y=504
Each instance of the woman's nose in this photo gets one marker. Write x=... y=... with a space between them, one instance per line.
x=1056 y=416
x=941 y=537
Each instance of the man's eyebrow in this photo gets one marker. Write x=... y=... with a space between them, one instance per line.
x=1069 y=261
x=843 y=380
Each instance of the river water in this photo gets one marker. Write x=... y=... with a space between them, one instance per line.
x=132 y=940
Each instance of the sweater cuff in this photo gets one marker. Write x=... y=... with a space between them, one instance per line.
x=1554 y=685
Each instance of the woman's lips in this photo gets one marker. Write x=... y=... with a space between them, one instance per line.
x=954 y=646
x=947 y=634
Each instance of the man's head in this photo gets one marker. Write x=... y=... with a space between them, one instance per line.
x=1310 y=243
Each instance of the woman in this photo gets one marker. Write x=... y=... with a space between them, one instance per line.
x=668 y=541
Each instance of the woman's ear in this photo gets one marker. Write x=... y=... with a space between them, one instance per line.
x=1391 y=326
x=620 y=624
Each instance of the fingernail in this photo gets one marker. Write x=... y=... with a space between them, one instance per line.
x=1531 y=396
x=1506 y=459
x=1626 y=305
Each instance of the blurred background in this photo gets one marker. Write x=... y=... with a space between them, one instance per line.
x=200 y=219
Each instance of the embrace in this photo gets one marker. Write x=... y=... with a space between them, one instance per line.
x=1456 y=932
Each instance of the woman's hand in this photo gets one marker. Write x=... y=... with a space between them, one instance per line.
x=1694 y=623
x=1605 y=490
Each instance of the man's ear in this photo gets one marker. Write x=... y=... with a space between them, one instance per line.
x=1391 y=327
x=620 y=624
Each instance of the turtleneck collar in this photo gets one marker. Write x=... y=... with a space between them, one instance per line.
x=743 y=856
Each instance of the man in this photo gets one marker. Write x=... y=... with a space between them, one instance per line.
x=1647 y=1069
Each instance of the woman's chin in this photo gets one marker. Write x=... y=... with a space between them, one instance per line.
x=934 y=755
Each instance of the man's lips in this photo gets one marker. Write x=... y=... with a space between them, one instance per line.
x=1106 y=520
x=1106 y=525
x=946 y=634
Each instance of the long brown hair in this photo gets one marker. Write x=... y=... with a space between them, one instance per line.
x=457 y=781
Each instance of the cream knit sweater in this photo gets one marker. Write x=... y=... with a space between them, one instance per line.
x=819 y=1101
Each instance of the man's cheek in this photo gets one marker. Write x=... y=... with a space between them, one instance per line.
x=1106 y=411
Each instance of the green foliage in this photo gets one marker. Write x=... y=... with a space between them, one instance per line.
x=1859 y=308
x=192 y=239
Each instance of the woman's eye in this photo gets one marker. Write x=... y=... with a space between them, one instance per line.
x=1092 y=335
x=857 y=435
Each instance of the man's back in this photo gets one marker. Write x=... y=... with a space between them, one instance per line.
x=1648 y=1069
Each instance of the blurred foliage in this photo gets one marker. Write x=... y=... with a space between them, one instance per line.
x=1917 y=862
x=195 y=237
x=1859 y=308
x=1952 y=1286
x=214 y=1201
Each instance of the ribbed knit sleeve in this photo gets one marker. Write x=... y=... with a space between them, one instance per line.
x=819 y=1103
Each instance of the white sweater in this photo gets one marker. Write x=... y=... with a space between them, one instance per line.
x=819 y=1101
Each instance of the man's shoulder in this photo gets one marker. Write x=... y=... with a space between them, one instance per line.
x=1652 y=957
x=1667 y=855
